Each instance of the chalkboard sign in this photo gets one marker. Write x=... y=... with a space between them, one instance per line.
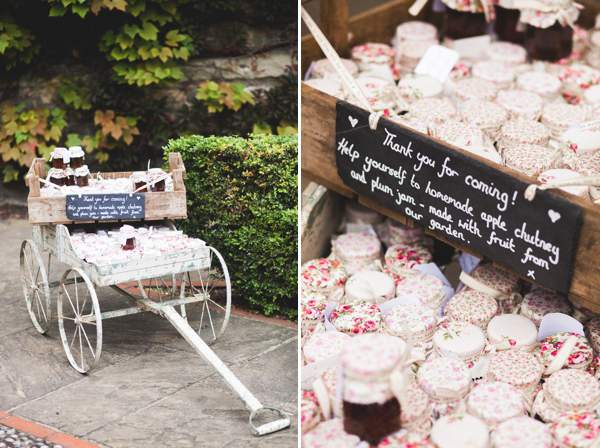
x=459 y=197
x=99 y=207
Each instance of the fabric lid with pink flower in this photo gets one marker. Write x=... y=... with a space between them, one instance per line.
x=375 y=88
x=524 y=132
x=487 y=115
x=404 y=439
x=418 y=408
x=471 y=306
x=459 y=339
x=462 y=135
x=330 y=434
x=562 y=174
x=572 y=389
x=413 y=123
x=543 y=83
x=353 y=246
x=540 y=302
x=372 y=53
x=472 y=6
x=583 y=142
x=310 y=412
x=474 y=88
x=520 y=369
x=412 y=51
x=357 y=318
x=420 y=319
x=322 y=345
x=592 y=330
x=580 y=357
x=531 y=160
x=312 y=305
x=495 y=402
x=322 y=274
x=557 y=11
x=542 y=409
x=416 y=30
x=577 y=78
x=576 y=429
x=372 y=286
x=446 y=373
x=414 y=87
x=434 y=111
x=507 y=52
x=460 y=430
x=521 y=103
x=518 y=432
x=498 y=72
x=401 y=259
x=502 y=281
x=425 y=287
x=558 y=117
x=518 y=331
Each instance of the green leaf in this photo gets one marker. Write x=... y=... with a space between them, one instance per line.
x=81 y=10
x=173 y=37
x=73 y=140
x=10 y=174
x=57 y=11
x=131 y=30
x=261 y=128
x=3 y=46
x=148 y=31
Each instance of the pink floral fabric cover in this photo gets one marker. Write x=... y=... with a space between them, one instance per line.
x=448 y=373
x=541 y=19
x=521 y=370
x=542 y=83
x=543 y=409
x=312 y=311
x=462 y=430
x=403 y=439
x=474 y=88
x=418 y=408
x=487 y=115
x=540 y=302
x=416 y=30
x=357 y=318
x=497 y=72
x=413 y=123
x=405 y=256
x=459 y=339
x=562 y=174
x=323 y=67
x=413 y=87
x=576 y=429
x=518 y=330
x=472 y=6
x=471 y=306
x=572 y=389
x=580 y=357
x=357 y=246
x=525 y=132
x=373 y=53
x=508 y=52
x=499 y=280
x=421 y=321
x=460 y=134
x=310 y=413
x=532 y=160
x=495 y=402
x=521 y=103
x=522 y=431
x=558 y=117
x=329 y=434
x=425 y=287
x=322 y=345
x=578 y=77
x=434 y=111
x=322 y=274
x=592 y=330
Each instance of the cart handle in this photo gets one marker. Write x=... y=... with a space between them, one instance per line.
x=270 y=427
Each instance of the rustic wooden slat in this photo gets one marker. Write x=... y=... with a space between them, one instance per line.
x=335 y=28
x=318 y=164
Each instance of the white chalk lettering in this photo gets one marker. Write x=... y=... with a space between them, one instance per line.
x=490 y=190
x=400 y=173
x=376 y=185
x=412 y=214
x=507 y=243
x=404 y=198
x=463 y=207
x=493 y=221
x=440 y=214
x=434 y=225
x=536 y=241
x=389 y=141
x=470 y=226
x=360 y=177
x=446 y=170
x=537 y=261
x=347 y=151
x=423 y=159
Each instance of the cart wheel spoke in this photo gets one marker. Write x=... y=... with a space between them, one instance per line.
x=36 y=289
x=78 y=306
x=158 y=288
x=210 y=314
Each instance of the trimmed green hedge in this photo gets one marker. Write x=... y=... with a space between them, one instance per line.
x=242 y=199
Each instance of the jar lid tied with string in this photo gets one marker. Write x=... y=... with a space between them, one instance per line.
x=495 y=402
x=429 y=289
x=357 y=318
x=371 y=286
x=421 y=320
x=323 y=275
x=522 y=431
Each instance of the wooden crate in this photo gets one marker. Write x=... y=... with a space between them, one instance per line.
x=318 y=146
x=159 y=205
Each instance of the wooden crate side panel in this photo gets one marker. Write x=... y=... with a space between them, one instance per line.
x=318 y=164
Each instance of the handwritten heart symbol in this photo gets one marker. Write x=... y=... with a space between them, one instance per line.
x=554 y=216
x=353 y=121
x=137 y=197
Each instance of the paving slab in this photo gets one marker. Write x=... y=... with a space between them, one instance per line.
x=149 y=388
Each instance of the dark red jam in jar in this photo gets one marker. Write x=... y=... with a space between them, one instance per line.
x=70 y=179
x=154 y=174
x=460 y=25
x=549 y=44
x=139 y=180
x=371 y=411
x=129 y=244
x=507 y=26
x=82 y=176
x=127 y=237
x=77 y=155
x=60 y=158
x=57 y=177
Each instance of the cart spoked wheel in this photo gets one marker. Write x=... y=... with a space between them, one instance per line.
x=79 y=320
x=158 y=288
x=210 y=315
x=35 y=287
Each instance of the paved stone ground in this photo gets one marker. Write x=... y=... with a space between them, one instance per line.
x=149 y=388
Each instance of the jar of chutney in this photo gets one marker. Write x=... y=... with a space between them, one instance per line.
x=60 y=158
x=76 y=155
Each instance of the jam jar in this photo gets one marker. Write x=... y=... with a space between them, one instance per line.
x=156 y=173
x=77 y=155
x=371 y=411
x=70 y=179
x=548 y=36
x=60 y=158
x=127 y=237
x=139 y=180
x=82 y=176
x=464 y=18
x=506 y=24
x=57 y=176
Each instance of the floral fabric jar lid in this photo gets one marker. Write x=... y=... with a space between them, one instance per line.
x=322 y=275
x=540 y=302
x=367 y=363
x=413 y=123
x=416 y=30
x=403 y=439
x=458 y=431
x=502 y=282
x=576 y=429
x=434 y=111
x=471 y=306
x=524 y=132
x=459 y=339
x=486 y=152
x=558 y=117
x=459 y=71
x=372 y=53
x=425 y=287
x=507 y=52
x=462 y=135
x=310 y=412
x=328 y=86
x=413 y=51
x=495 y=402
x=415 y=87
x=487 y=115
x=580 y=357
x=371 y=286
x=520 y=369
x=324 y=67
x=543 y=409
x=518 y=432
x=517 y=330
x=592 y=94
x=572 y=389
x=544 y=84
x=474 y=88
x=357 y=318
x=498 y=72
x=357 y=251
x=447 y=373
x=560 y=8
x=582 y=142
x=472 y=6
x=561 y=174
x=322 y=345
x=330 y=378
x=588 y=163
x=312 y=310
x=521 y=103
x=577 y=78
x=592 y=330
x=418 y=409
x=375 y=88
x=531 y=160
x=330 y=434
x=400 y=259
x=420 y=319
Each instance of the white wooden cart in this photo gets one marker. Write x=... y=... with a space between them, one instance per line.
x=187 y=279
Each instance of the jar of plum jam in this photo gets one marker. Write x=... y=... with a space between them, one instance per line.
x=60 y=158
x=127 y=237
x=460 y=25
x=77 y=155
x=506 y=24
x=82 y=176
x=70 y=179
x=154 y=174
x=371 y=411
x=57 y=176
x=139 y=180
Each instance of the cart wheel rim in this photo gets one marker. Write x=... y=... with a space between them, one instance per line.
x=79 y=320
x=206 y=284
x=36 y=288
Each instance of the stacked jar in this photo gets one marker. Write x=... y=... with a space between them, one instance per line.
x=68 y=167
